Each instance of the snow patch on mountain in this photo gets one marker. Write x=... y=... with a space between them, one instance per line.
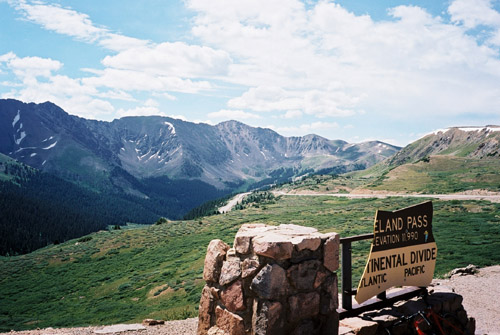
x=170 y=127
x=18 y=141
x=16 y=118
x=50 y=146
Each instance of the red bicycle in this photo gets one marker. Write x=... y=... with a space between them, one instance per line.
x=428 y=322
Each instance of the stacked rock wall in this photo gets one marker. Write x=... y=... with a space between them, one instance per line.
x=275 y=280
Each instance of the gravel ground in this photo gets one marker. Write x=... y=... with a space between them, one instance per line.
x=481 y=294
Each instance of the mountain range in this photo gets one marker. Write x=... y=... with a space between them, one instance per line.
x=62 y=176
x=225 y=155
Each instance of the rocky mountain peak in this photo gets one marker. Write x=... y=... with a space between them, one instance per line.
x=46 y=137
x=478 y=142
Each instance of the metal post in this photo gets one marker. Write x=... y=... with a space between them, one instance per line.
x=346 y=276
x=382 y=295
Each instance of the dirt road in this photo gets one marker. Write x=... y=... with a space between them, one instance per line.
x=489 y=196
x=233 y=202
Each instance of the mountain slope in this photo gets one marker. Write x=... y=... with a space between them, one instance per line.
x=38 y=208
x=456 y=159
x=225 y=155
x=471 y=142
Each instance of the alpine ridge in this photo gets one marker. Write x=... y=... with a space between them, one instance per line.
x=114 y=154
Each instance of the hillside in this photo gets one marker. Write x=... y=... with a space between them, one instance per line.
x=38 y=208
x=155 y=271
x=136 y=169
x=446 y=161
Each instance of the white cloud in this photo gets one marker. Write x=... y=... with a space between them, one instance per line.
x=320 y=103
x=151 y=103
x=61 y=20
x=130 y=80
x=30 y=67
x=329 y=62
x=263 y=99
x=40 y=84
x=316 y=62
x=140 y=111
x=306 y=128
x=233 y=115
x=118 y=42
x=172 y=59
x=293 y=114
x=474 y=13
x=165 y=95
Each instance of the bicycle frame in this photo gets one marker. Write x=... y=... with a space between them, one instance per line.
x=435 y=323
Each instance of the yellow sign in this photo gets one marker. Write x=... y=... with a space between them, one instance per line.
x=403 y=251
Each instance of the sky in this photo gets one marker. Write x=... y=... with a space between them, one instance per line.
x=354 y=70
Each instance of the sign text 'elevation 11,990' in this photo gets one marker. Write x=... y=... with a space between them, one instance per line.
x=403 y=251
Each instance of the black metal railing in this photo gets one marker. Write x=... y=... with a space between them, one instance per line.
x=347 y=290
x=382 y=300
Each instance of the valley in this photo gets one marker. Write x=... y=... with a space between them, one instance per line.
x=112 y=270
x=127 y=275
x=137 y=169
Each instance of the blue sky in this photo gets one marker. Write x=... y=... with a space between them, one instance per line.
x=352 y=70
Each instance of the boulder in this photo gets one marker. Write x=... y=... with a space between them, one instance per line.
x=206 y=311
x=303 y=275
x=331 y=252
x=270 y=283
x=249 y=266
x=229 y=322
x=303 y=306
x=232 y=297
x=267 y=318
x=243 y=239
x=152 y=322
x=360 y=326
x=231 y=270
x=273 y=245
x=216 y=251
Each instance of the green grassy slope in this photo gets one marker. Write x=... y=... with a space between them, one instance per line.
x=441 y=174
x=156 y=271
x=433 y=175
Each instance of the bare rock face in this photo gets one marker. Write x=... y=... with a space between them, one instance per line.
x=303 y=275
x=249 y=266
x=268 y=318
x=231 y=270
x=232 y=297
x=303 y=306
x=331 y=252
x=273 y=246
x=216 y=251
x=229 y=322
x=206 y=310
x=270 y=283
